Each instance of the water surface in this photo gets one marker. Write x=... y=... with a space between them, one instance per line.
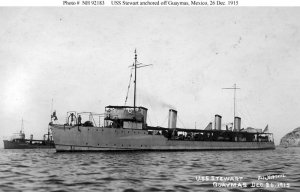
x=46 y=170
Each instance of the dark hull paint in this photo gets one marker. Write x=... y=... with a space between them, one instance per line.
x=24 y=145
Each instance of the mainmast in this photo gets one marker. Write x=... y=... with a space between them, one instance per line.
x=234 y=101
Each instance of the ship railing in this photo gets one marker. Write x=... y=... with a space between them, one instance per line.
x=211 y=135
x=86 y=117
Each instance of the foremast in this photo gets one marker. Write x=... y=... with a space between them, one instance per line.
x=135 y=66
x=134 y=97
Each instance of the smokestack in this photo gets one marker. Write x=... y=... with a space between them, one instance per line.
x=218 y=121
x=172 y=118
x=237 y=123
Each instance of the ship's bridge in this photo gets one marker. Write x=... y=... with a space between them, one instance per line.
x=127 y=116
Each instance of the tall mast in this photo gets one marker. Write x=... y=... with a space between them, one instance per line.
x=234 y=101
x=136 y=66
x=135 y=61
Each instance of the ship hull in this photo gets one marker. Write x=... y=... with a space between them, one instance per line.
x=78 y=138
x=23 y=145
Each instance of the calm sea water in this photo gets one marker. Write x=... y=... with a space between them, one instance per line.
x=46 y=170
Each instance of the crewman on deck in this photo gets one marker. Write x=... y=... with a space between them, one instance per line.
x=72 y=118
x=79 y=120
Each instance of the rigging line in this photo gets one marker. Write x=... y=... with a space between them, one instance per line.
x=164 y=120
x=128 y=86
x=247 y=115
x=181 y=122
x=247 y=111
x=149 y=119
x=149 y=103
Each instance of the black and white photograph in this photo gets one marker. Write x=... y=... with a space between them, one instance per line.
x=150 y=98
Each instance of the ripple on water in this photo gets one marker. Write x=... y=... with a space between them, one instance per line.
x=130 y=190
x=9 y=187
x=54 y=181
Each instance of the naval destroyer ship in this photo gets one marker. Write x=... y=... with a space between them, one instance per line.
x=18 y=141
x=125 y=128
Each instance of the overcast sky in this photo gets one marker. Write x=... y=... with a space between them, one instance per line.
x=80 y=58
